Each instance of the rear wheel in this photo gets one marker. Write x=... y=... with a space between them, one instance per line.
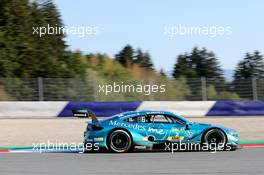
x=215 y=138
x=119 y=141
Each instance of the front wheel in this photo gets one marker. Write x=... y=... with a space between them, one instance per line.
x=215 y=138
x=119 y=141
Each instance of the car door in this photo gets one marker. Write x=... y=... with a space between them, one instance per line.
x=159 y=126
x=166 y=128
x=178 y=130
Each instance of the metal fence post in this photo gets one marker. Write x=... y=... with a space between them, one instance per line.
x=203 y=86
x=254 y=88
x=150 y=82
x=95 y=89
x=40 y=89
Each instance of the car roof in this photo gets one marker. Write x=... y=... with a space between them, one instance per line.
x=144 y=112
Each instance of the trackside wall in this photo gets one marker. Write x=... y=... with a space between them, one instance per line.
x=105 y=109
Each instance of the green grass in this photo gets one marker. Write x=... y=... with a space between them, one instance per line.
x=251 y=142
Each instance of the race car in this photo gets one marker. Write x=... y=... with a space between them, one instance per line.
x=150 y=130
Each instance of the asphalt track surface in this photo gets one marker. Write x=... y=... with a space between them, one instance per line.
x=243 y=161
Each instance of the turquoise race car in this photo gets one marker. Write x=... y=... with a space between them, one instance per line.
x=151 y=130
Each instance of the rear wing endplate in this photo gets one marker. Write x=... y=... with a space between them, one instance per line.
x=84 y=113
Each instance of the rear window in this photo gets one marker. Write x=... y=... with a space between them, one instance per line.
x=138 y=119
x=155 y=118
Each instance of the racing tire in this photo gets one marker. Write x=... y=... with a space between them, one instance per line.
x=119 y=141
x=215 y=138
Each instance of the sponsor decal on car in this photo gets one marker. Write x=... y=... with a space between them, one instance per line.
x=177 y=129
x=137 y=126
x=171 y=138
x=98 y=139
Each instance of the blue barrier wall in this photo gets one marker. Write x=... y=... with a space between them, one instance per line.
x=237 y=108
x=216 y=108
x=104 y=109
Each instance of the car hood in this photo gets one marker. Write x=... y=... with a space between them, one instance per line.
x=207 y=125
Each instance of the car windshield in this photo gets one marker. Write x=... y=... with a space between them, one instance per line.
x=181 y=118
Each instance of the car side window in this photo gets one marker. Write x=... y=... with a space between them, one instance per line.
x=138 y=119
x=155 y=118
x=160 y=118
x=175 y=120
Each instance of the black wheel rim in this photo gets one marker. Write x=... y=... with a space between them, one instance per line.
x=119 y=141
x=215 y=138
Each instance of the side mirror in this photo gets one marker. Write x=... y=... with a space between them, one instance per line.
x=188 y=126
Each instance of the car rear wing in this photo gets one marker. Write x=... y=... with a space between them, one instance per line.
x=85 y=113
